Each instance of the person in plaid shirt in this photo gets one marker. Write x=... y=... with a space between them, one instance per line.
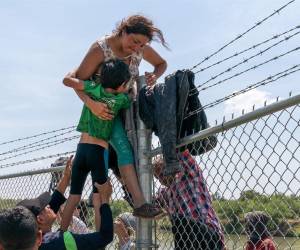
x=187 y=200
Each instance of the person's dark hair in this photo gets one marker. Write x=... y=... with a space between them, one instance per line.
x=18 y=229
x=256 y=225
x=114 y=73
x=138 y=24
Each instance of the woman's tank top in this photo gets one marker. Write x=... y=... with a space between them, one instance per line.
x=135 y=60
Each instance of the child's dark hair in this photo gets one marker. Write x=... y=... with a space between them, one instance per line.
x=114 y=73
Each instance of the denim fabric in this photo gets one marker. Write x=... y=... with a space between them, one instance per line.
x=163 y=110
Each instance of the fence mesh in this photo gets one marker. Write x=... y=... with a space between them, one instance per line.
x=254 y=167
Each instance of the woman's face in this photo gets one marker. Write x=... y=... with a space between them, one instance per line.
x=133 y=43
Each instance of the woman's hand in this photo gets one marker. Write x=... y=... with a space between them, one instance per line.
x=100 y=109
x=150 y=79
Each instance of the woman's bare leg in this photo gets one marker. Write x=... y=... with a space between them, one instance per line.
x=130 y=179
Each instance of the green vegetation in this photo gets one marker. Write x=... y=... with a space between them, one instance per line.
x=284 y=211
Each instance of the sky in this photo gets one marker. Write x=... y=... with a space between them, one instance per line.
x=42 y=40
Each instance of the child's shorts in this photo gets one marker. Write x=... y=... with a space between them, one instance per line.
x=119 y=141
x=89 y=157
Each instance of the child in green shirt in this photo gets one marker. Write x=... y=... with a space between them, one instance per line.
x=92 y=153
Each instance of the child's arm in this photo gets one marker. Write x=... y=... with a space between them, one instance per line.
x=73 y=82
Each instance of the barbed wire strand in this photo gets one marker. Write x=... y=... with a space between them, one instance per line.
x=241 y=35
x=245 y=60
x=248 y=88
x=37 y=135
x=255 y=46
x=48 y=145
x=35 y=159
x=249 y=69
x=31 y=145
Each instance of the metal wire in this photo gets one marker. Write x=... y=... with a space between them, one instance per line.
x=35 y=144
x=48 y=145
x=265 y=81
x=249 y=69
x=255 y=166
x=246 y=60
x=37 y=135
x=241 y=35
x=36 y=159
x=255 y=46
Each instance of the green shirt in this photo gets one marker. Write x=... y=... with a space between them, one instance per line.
x=93 y=125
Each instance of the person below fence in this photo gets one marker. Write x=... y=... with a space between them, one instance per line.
x=46 y=207
x=257 y=231
x=125 y=228
x=19 y=230
x=195 y=224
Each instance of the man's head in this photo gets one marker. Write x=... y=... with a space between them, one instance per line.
x=39 y=206
x=115 y=74
x=19 y=230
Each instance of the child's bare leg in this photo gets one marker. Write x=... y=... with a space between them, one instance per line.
x=71 y=204
x=130 y=179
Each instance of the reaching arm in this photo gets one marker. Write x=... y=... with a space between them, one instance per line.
x=65 y=180
x=105 y=233
x=58 y=198
x=159 y=64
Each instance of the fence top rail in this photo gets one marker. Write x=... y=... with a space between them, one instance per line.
x=32 y=172
x=226 y=125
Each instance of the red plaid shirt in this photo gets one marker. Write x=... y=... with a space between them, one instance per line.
x=188 y=195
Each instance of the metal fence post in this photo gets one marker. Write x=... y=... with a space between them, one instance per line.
x=144 y=227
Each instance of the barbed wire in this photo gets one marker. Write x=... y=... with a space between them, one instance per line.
x=35 y=159
x=245 y=60
x=249 y=69
x=255 y=46
x=37 y=135
x=34 y=143
x=48 y=145
x=248 y=88
x=241 y=35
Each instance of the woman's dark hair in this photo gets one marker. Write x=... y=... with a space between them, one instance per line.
x=114 y=73
x=137 y=24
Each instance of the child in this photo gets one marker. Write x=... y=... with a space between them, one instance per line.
x=92 y=154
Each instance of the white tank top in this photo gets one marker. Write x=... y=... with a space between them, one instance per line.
x=135 y=60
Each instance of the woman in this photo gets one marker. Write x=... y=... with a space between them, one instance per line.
x=129 y=42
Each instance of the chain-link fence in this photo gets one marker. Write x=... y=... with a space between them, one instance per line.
x=255 y=166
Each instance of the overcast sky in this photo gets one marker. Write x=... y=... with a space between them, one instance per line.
x=42 y=40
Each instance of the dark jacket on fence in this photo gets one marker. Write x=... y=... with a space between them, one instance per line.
x=164 y=110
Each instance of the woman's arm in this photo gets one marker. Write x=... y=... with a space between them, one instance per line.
x=87 y=68
x=159 y=64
